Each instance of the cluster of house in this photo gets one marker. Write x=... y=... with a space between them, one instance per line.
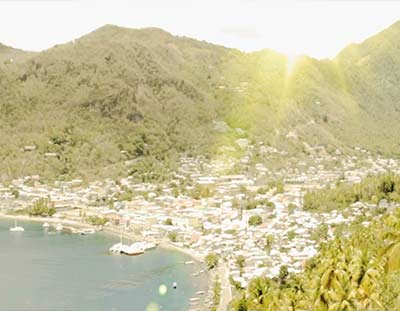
x=214 y=223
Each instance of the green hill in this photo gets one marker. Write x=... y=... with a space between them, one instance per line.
x=122 y=101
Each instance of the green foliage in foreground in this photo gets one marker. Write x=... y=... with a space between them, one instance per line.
x=371 y=189
x=360 y=273
x=42 y=207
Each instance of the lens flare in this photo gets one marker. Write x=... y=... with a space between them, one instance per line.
x=162 y=290
x=152 y=307
x=291 y=63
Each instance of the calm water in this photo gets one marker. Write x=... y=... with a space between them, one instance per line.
x=39 y=271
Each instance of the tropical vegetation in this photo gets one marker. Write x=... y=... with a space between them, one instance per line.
x=372 y=189
x=42 y=207
x=361 y=272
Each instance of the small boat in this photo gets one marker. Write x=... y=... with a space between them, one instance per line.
x=191 y=262
x=132 y=250
x=87 y=231
x=116 y=248
x=45 y=225
x=74 y=230
x=59 y=227
x=174 y=285
x=144 y=245
x=17 y=228
x=149 y=246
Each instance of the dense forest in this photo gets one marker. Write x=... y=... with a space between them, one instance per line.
x=122 y=101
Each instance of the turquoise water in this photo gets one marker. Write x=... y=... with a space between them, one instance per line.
x=41 y=271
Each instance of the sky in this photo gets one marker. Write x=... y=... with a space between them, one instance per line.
x=318 y=28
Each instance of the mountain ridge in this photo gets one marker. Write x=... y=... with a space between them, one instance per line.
x=120 y=95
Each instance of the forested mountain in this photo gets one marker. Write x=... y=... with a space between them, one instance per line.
x=120 y=101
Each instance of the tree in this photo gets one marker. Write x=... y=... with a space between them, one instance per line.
x=168 y=222
x=211 y=260
x=15 y=193
x=240 y=304
x=255 y=220
x=283 y=274
x=240 y=261
x=97 y=221
x=42 y=207
x=173 y=236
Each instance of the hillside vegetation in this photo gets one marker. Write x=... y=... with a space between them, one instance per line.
x=371 y=189
x=121 y=101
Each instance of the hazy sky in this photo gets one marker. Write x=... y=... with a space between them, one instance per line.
x=317 y=28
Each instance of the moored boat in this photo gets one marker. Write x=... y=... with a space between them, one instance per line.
x=87 y=231
x=16 y=228
x=59 y=227
x=132 y=250
x=116 y=248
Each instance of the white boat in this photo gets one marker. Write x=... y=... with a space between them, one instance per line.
x=116 y=248
x=149 y=245
x=174 y=285
x=132 y=250
x=45 y=225
x=73 y=230
x=144 y=245
x=59 y=227
x=17 y=228
x=87 y=231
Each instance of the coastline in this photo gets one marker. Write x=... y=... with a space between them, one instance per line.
x=164 y=244
x=168 y=245
x=69 y=222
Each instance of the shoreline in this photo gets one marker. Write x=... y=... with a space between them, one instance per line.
x=46 y=219
x=170 y=246
x=128 y=235
x=163 y=244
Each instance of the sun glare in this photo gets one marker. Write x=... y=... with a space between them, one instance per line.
x=291 y=63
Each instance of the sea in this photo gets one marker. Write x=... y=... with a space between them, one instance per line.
x=45 y=270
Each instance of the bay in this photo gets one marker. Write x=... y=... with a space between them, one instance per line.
x=41 y=270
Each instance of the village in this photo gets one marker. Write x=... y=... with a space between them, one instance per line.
x=203 y=210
